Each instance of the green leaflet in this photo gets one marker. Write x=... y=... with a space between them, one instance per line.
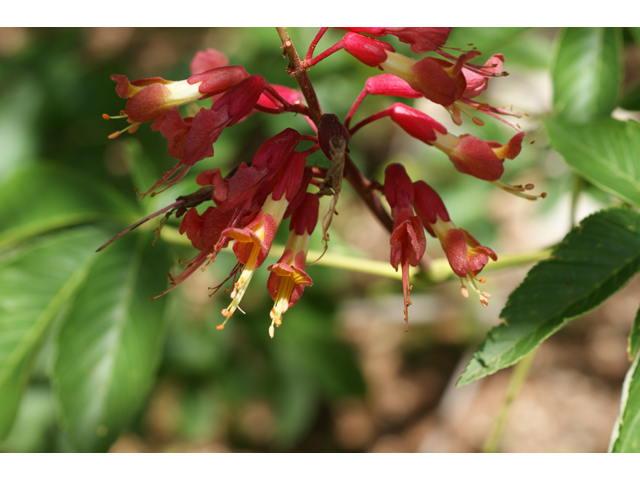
x=36 y=281
x=586 y=73
x=109 y=345
x=591 y=263
x=626 y=432
x=604 y=151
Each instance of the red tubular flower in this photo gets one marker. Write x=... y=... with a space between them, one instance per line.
x=253 y=241
x=288 y=276
x=439 y=80
x=369 y=51
x=268 y=161
x=149 y=98
x=466 y=256
x=192 y=139
x=207 y=59
x=421 y=39
x=386 y=84
x=477 y=81
x=484 y=159
x=289 y=94
x=391 y=85
x=408 y=241
x=417 y=124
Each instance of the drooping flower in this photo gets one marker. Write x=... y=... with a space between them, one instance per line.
x=254 y=240
x=408 y=241
x=466 y=256
x=288 y=276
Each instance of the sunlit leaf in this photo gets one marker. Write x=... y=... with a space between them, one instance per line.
x=626 y=431
x=591 y=263
x=109 y=346
x=36 y=281
x=587 y=73
x=605 y=152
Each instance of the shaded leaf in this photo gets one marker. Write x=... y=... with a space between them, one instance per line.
x=321 y=354
x=631 y=100
x=586 y=73
x=625 y=437
x=40 y=198
x=591 y=263
x=36 y=281
x=34 y=423
x=605 y=152
x=635 y=33
x=108 y=348
x=634 y=337
x=295 y=398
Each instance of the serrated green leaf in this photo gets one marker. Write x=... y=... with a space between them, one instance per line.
x=586 y=73
x=634 y=337
x=625 y=437
x=44 y=197
x=591 y=263
x=36 y=281
x=605 y=152
x=108 y=347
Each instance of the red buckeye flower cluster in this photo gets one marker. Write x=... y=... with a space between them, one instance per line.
x=249 y=203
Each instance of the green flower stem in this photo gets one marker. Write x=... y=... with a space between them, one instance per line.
x=439 y=270
x=518 y=377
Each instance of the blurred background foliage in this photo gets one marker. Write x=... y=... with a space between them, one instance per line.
x=341 y=374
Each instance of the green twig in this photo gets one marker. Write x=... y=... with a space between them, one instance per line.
x=439 y=270
x=518 y=377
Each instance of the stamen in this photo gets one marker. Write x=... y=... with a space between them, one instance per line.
x=123 y=114
x=518 y=190
x=133 y=127
x=482 y=296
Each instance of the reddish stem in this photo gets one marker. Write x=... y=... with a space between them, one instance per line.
x=368 y=120
x=297 y=71
x=355 y=106
x=355 y=177
x=331 y=50
x=315 y=41
x=365 y=190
